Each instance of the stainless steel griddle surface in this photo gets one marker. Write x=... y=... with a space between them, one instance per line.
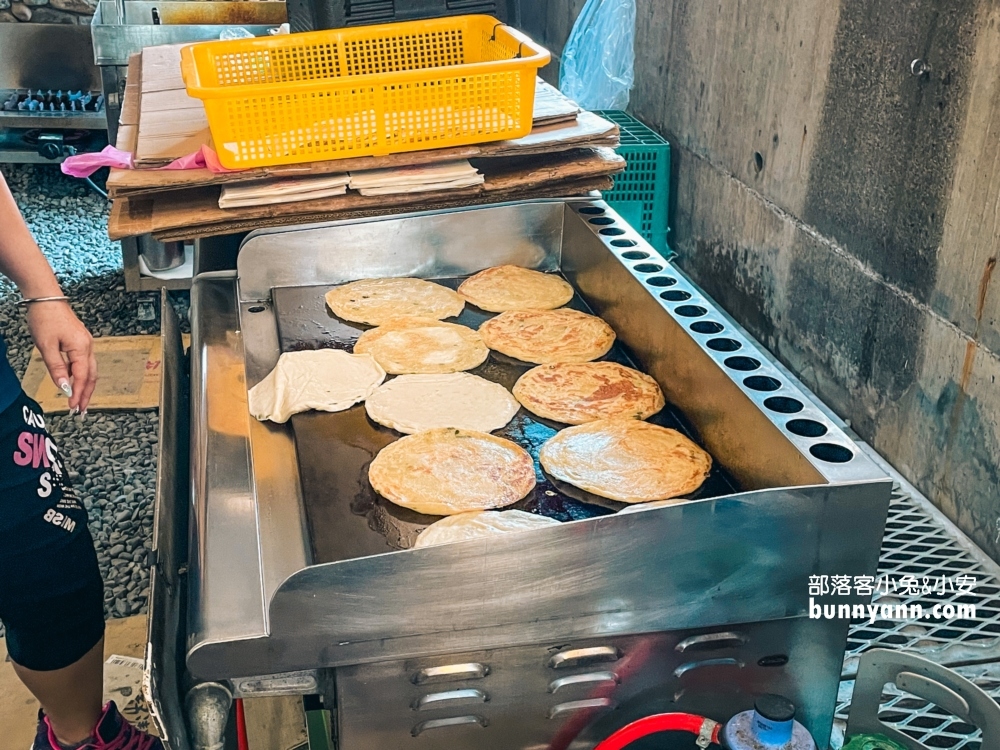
x=346 y=517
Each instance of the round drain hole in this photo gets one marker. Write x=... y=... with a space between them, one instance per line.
x=762 y=383
x=592 y=210
x=602 y=221
x=648 y=268
x=255 y=309
x=662 y=281
x=632 y=254
x=691 y=311
x=723 y=345
x=831 y=453
x=612 y=231
x=675 y=295
x=627 y=243
x=783 y=404
x=744 y=364
x=707 y=326
x=806 y=428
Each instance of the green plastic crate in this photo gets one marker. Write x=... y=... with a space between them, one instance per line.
x=642 y=192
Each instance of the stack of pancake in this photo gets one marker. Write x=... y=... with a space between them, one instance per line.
x=448 y=463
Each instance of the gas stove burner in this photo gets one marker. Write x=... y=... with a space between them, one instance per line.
x=54 y=102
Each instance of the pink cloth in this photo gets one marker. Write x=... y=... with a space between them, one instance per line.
x=84 y=165
x=203 y=158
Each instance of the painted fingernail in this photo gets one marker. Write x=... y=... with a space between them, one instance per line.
x=84 y=414
x=66 y=388
x=74 y=411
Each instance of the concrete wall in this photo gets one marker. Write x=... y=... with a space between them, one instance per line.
x=844 y=209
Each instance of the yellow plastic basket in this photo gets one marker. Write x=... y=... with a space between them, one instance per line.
x=371 y=90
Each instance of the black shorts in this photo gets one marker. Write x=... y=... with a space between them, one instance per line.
x=51 y=592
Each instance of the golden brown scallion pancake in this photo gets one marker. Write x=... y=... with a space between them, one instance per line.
x=412 y=403
x=578 y=392
x=374 y=301
x=626 y=460
x=545 y=336
x=422 y=345
x=445 y=471
x=503 y=288
x=476 y=525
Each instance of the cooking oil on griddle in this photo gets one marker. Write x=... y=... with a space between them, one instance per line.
x=347 y=518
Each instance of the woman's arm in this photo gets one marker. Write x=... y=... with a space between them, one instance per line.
x=65 y=345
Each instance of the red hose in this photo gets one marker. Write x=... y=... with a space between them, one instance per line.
x=241 y=726
x=660 y=723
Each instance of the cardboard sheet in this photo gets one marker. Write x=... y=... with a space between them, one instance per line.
x=552 y=105
x=171 y=124
x=450 y=199
x=195 y=212
x=129 y=368
x=588 y=130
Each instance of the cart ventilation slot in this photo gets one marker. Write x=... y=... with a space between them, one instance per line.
x=451 y=672
x=589 y=704
x=449 y=698
x=691 y=666
x=454 y=721
x=711 y=641
x=579 y=657
x=587 y=679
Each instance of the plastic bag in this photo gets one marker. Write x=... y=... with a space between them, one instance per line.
x=598 y=60
x=236 y=32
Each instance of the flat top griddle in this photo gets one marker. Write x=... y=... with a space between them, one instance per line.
x=346 y=517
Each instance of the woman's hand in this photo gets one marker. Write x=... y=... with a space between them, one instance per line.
x=67 y=349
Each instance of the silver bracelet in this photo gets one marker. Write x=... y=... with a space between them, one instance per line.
x=32 y=300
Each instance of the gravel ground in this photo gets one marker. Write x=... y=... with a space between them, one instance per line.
x=111 y=456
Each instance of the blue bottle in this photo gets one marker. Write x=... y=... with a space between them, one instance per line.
x=770 y=725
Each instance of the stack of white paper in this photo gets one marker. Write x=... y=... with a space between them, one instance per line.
x=283 y=191
x=416 y=179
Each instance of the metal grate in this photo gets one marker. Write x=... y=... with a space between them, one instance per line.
x=920 y=719
x=920 y=542
x=916 y=544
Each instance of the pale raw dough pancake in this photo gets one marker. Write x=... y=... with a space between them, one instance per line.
x=626 y=460
x=324 y=379
x=545 y=336
x=575 y=393
x=411 y=403
x=374 y=301
x=503 y=288
x=446 y=471
x=476 y=525
x=422 y=345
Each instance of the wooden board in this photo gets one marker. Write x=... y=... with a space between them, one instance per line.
x=196 y=210
x=129 y=376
